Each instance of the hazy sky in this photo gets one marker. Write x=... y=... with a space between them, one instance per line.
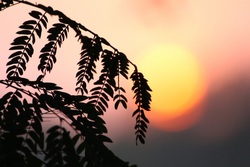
x=216 y=34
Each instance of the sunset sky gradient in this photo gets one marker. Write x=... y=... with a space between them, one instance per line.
x=215 y=129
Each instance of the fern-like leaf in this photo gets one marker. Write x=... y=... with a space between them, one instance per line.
x=142 y=100
x=90 y=53
x=123 y=64
x=122 y=69
x=119 y=98
x=106 y=83
x=99 y=94
x=56 y=37
x=23 y=45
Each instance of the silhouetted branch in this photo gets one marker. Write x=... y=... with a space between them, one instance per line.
x=22 y=111
x=73 y=24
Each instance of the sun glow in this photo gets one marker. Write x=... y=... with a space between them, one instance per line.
x=177 y=84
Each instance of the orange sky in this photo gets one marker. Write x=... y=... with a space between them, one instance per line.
x=216 y=32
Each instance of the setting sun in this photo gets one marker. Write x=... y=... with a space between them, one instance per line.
x=177 y=85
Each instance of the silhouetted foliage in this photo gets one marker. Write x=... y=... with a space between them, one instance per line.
x=25 y=138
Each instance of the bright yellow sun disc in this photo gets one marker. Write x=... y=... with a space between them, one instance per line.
x=175 y=78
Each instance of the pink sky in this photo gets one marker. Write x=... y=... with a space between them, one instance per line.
x=217 y=32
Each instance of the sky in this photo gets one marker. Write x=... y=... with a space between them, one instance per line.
x=196 y=57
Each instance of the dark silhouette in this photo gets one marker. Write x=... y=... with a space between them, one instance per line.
x=23 y=141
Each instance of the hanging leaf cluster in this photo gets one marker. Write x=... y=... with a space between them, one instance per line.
x=142 y=100
x=23 y=45
x=106 y=85
x=91 y=49
x=57 y=35
x=79 y=137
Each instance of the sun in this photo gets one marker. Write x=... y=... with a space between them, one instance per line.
x=177 y=83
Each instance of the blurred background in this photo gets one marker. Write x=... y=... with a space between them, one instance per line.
x=196 y=57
